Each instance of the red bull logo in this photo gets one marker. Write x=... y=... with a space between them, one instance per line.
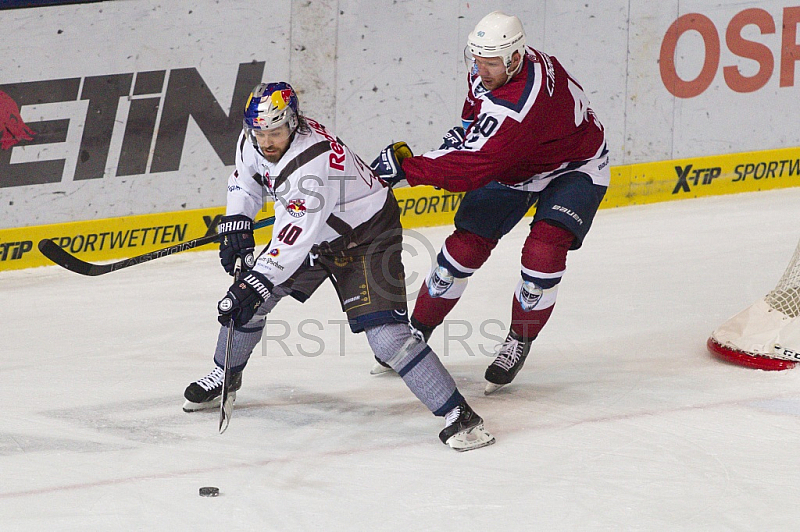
x=296 y=207
x=280 y=99
x=12 y=128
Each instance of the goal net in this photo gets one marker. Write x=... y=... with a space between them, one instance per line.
x=765 y=335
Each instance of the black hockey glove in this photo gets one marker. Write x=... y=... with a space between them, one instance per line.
x=237 y=241
x=388 y=164
x=243 y=299
x=453 y=138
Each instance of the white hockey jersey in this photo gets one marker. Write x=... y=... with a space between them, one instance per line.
x=321 y=190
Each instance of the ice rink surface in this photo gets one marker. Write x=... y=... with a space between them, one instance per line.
x=620 y=419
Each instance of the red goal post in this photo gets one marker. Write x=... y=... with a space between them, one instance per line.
x=765 y=335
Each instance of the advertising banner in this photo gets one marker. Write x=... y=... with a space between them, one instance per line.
x=703 y=176
x=111 y=112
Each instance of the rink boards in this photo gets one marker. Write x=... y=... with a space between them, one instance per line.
x=121 y=237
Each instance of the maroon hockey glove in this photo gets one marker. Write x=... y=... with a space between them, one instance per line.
x=237 y=241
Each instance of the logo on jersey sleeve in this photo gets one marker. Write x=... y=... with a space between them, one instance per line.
x=274 y=252
x=296 y=207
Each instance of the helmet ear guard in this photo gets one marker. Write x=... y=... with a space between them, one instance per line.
x=270 y=106
x=497 y=35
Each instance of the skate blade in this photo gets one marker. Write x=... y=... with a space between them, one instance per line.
x=470 y=439
x=189 y=406
x=379 y=369
x=491 y=388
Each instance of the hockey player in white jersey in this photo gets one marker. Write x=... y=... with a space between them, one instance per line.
x=334 y=219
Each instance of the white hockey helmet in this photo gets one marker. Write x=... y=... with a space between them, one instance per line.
x=498 y=35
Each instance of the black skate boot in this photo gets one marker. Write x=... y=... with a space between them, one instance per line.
x=421 y=332
x=205 y=393
x=464 y=430
x=510 y=358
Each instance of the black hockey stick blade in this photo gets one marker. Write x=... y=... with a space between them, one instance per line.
x=55 y=253
x=63 y=258
x=225 y=413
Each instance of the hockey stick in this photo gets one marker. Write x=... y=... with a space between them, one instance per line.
x=226 y=401
x=63 y=258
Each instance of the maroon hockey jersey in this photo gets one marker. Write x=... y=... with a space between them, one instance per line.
x=523 y=134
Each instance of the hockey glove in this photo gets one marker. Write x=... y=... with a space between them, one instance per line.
x=243 y=299
x=388 y=165
x=453 y=139
x=237 y=241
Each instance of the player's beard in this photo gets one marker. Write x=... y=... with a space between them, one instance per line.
x=275 y=153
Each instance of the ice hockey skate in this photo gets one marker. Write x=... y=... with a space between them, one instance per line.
x=380 y=367
x=464 y=430
x=510 y=358
x=419 y=331
x=205 y=393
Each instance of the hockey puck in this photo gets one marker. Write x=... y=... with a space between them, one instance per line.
x=209 y=491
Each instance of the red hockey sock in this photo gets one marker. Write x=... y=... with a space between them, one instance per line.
x=465 y=252
x=544 y=252
x=467 y=249
x=431 y=311
x=527 y=325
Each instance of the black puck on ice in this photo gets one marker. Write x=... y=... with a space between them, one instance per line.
x=209 y=491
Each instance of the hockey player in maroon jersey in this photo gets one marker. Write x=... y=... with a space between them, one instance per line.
x=333 y=220
x=528 y=137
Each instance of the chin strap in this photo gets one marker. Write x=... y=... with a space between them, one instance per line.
x=517 y=70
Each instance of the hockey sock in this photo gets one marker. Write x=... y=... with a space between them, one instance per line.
x=527 y=325
x=417 y=365
x=431 y=311
x=461 y=255
x=544 y=261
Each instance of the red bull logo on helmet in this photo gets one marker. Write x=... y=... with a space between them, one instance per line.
x=280 y=99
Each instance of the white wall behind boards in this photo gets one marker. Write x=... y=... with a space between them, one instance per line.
x=171 y=54
x=374 y=72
